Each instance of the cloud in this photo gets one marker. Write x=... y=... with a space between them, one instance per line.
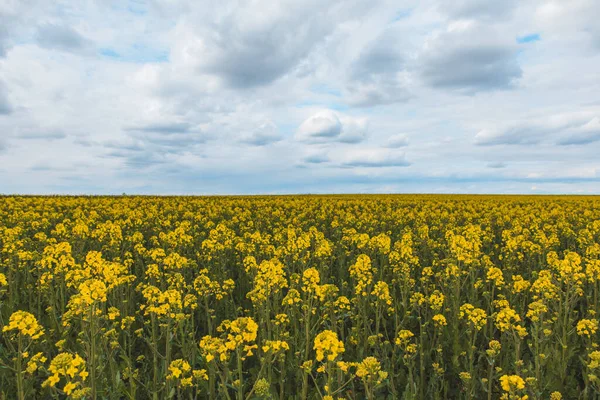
x=3 y=39
x=320 y=126
x=395 y=141
x=570 y=128
x=316 y=158
x=5 y=106
x=163 y=127
x=299 y=96
x=33 y=132
x=328 y=126
x=466 y=9
x=469 y=57
x=265 y=134
x=59 y=37
x=253 y=44
x=373 y=158
x=584 y=134
x=525 y=134
x=566 y=21
x=354 y=130
x=378 y=74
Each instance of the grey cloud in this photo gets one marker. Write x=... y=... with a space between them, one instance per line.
x=563 y=129
x=496 y=165
x=376 y=76
x=174 y=142
x=247 y=58
x=3 y=38
x=5 y=106
x=396 y=141
x=354 y=130
x=458 y=9
x=136 y=157
x=381 y=56
x=470 y=59
x=123 y=145
x=164 y=128
x=247 y=54
x=265 y=134
x=44 y=167
x=327 y=126
x=585 y=134
x=317 y=158
x=40 y=134
x=323 y=125
x=144 y=160
x=377 y=92
x=59 y=37
x=374 y=158
x=526 y=134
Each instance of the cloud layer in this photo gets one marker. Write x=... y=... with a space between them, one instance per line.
x=180 y=96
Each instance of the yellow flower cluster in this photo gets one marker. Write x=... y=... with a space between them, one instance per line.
x=510 y=383
x=328 y=346
x=587 y=327
x=217 y=297
x=269 y=279
x=439 y=320
x=362 y=272
x=507 y=319
x=181 y=372
x=35 y=362
x=73 y=369
x=476 y=317
x=495 y=276
x=24 y=324
x=369 y=370
x=436 y=301
x=536 y=310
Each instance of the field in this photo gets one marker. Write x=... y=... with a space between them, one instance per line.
x=300 y=297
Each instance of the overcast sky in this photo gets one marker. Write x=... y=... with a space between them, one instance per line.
x=311 y=96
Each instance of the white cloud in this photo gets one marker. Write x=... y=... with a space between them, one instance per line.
x=328 y=126
x=322 y=126
x=373 y=158
x=471 y=57
x=180 y=96
x=398 y=140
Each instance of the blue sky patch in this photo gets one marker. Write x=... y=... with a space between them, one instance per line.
x=534 y=37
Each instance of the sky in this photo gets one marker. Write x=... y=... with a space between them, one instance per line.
x=312 y=96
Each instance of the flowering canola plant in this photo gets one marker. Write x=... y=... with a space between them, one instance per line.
x=300 y=297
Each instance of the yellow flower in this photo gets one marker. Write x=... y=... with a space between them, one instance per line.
x=200 y=374
x=512 y=383
x=436 y=301
x=25 y=324
x=439 y=320
x=180 y=370
x=69 y=387
x=362 y=272
x=403 y=337
x=495 y=275
x=369 y=370
x=328 y=346
x=476 y=317
x=494 y=348
x=587 y=327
